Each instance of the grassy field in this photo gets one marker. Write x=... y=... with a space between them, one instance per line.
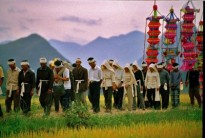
x=182 y=122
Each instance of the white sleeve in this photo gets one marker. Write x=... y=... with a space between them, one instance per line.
x=66 y=73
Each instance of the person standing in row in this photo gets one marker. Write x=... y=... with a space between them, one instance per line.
x=139 y=88
x=119 y=91
x=108 y=84
x=128 y=83
x=152 y=84
x=176 y=77
x=192 y=78
x=1 y=82
x=111 y=61
x=144 y=72
x=12 y=90
x=164 y=81
x=26 y=83
x=69 y=66
x=81 y=82
x=95 y=79
x=44 y=85
x=61 y=86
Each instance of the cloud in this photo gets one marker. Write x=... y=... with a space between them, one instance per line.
x=31 y=20
x=24 y=27
x=75 y=19
x=78 y=30
x=16 y=10
x=4 y=29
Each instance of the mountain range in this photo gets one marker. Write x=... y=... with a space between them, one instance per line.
x=124 y=48
x=31 y=48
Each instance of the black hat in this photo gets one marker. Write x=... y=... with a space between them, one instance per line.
x=58 y=64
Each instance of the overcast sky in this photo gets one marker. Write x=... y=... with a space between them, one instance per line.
x=79 y=21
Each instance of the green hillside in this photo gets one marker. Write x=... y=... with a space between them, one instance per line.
x=31 y=48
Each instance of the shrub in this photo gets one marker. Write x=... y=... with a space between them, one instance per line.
x=77 y=116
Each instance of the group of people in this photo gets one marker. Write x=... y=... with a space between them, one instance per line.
x=64 y=83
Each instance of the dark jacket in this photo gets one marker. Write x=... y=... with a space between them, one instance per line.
x=44 y=74
x=80 y=73
x=139 y=76
x=28 y=78
x=193 y=77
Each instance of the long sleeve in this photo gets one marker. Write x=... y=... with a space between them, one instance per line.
x=168 y=78
x=171 y=78
x=33 y=80
x=51 y=80
x=187 y=76
x=19 y=79
x=158 y=80
x=141 y=78
x=100 y=74
x=37 y=79
x=178 y=79
x=86 y=77
x=7 y=80
x=145 y=82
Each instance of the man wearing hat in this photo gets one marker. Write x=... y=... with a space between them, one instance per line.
x=12 y=93
x=192 y=78
x=62 y=86
x=26 y=83
x=80 y=82
x=1 y=82
x=164 y=81
x=44 y=85
x=175 y=77
x=95 y=79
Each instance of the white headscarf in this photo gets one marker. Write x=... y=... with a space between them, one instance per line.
x=137 y=65
x=132 y=74
x=116 y=64
x=107 y=65
x=152 y=66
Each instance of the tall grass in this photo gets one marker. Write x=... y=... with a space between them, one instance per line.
x=150 y=123
x=179 y=129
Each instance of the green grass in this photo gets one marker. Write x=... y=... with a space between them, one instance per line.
x=17 y=123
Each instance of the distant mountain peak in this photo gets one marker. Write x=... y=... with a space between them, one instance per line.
x=35 y=36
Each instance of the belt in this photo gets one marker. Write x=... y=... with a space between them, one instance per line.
x=40 y=85
x=92 y=81
x=77 y=88
x=23 y=88
x=57 y=84
x=11 y=88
